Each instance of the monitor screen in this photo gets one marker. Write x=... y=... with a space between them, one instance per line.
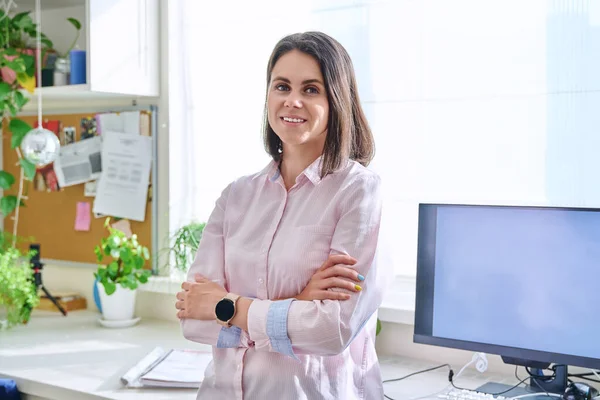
x=515 y=281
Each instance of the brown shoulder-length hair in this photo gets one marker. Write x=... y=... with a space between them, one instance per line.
x=348 y=132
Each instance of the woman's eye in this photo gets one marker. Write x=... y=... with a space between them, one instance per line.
x=312 y=90
x=281 y=87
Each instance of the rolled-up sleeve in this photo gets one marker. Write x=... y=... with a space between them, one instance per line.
x=209 y=262
x=328 y=327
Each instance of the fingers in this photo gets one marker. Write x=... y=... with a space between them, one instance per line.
x=200 y=278
x=337 y=259
x=343 y=271
x=341 y=283
x=180 y=295
x=179 y=305
x=330 y=295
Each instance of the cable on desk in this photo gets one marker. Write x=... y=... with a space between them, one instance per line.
x=415 y=373
x=521 y=381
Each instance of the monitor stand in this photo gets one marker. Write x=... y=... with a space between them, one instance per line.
x=556 y=385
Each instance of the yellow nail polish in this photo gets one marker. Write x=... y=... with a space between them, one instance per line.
x=357 y=288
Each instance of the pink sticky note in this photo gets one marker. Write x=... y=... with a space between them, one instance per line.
x=83 y=218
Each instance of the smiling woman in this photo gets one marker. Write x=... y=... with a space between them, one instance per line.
x=286 y=279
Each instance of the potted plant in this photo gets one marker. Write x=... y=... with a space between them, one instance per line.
x=120 y=273
x=62 y=64
x=18 y=294
x=185 y=243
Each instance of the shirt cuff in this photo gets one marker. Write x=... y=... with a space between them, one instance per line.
x=277 y=327
x=267 y=325
x=229 y=337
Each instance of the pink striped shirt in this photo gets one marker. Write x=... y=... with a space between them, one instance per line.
x=265 y=243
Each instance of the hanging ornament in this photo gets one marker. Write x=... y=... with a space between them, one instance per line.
x=39 y=146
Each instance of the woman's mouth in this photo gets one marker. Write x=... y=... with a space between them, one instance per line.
x=292 y=121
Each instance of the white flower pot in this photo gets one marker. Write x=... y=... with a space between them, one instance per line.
x=119 y=306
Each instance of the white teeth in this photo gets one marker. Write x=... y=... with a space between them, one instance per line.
x=292 y=119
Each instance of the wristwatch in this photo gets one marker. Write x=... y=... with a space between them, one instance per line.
x=225 y=309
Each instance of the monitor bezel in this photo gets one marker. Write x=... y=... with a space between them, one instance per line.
x=425 y=280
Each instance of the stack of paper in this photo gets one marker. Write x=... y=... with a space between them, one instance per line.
x=171 y=368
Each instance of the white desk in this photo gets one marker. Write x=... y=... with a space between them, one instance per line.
x=64 y=358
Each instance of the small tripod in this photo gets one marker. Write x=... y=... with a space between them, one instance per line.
x=37 y=266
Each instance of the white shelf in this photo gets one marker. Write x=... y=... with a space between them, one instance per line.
x=69 y=96
x=72 y=92
x=47 y=4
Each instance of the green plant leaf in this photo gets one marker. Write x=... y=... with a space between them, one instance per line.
x=6 y=180
x=12 y=108
x=139 y=262
x=143 y=276
x=29 y=63
x=75 y=23
x=98 y=252
x=109 y=287
x=125 y=254
x=47 y=42
x=378 y=330
x=17 y=65
x=23 y=20
x=5 y=89
x=146 y=253
x=20 y=99
x=113 y=269
x=8 y=204
x=19 y=129
x=28 y=167
x=127 y=268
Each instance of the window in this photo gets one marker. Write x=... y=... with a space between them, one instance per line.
x=470 y=101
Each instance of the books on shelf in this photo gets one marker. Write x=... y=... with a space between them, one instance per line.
x=174 y=368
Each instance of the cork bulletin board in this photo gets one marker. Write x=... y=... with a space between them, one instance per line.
x=49 y=215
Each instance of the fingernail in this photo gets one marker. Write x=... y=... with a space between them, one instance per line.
x=360 y=277
x=357 y=288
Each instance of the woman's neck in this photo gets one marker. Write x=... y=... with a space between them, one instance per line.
x=295 y=161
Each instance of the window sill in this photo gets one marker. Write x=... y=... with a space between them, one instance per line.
x=163 y=284
x=398 y=305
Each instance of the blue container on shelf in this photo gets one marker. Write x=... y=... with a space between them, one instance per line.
x=78 y=67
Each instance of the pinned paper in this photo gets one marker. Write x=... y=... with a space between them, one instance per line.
x=89 y=189
x=83 y=218
x=124 y=226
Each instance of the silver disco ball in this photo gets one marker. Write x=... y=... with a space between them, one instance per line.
x=40 y=146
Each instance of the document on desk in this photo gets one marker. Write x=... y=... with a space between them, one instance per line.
x=176 y=368
x=122 y=189
x=79 y=162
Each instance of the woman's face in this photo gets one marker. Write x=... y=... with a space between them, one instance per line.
x=297 y=102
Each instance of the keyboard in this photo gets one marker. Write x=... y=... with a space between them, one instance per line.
x=463 y=394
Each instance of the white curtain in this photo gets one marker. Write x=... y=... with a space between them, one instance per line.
x=470 y=101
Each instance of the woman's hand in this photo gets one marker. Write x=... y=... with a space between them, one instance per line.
x=334 y=273
x=198 y=299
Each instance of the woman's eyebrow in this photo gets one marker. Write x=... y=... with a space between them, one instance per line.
x=286 y=80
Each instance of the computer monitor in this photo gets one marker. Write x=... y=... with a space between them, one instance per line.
x=519 y=282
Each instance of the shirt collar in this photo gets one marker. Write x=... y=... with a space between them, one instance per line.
x=312 y=172
x=271 y=171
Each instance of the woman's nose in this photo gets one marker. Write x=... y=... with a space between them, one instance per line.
x=293 y=101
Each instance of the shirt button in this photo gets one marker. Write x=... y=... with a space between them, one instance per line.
x=261 y=281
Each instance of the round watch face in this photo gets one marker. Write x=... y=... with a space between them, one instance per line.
x=224 y=310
